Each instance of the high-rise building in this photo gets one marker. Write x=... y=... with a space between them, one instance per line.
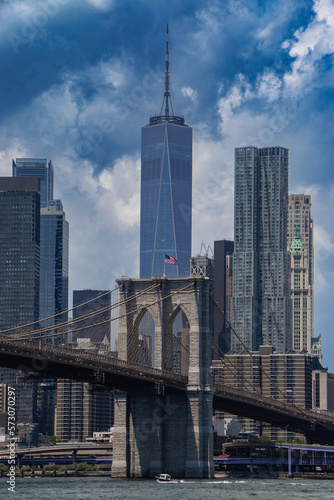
x=166 y=191
x=300 y=246
x=280 y=376
x=19 y=274
x=54 y=242
x=261 y=304
x=79 y=410
x=36 y=167
x=19 y=251
x=203 y=265
x=223 y=252
x=89 y=303
x=54 y=264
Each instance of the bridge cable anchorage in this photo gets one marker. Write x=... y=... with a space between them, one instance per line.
x=172 y=338
x=60 y=313
x=67 y=323
x=291 y=403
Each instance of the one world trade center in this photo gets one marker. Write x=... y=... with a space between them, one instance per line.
x=166 y=191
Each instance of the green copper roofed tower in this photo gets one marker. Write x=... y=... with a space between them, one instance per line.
x=300 y=246
x=166 y=186
x=297 y=245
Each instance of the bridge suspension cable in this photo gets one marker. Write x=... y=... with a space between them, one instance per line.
x=231 y=368
x=39 y=332
x=42 y=334
x=58 y=314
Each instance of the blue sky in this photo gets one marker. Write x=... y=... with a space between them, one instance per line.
x=80 y=78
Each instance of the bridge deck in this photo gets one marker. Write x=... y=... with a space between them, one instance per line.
x=45 y=360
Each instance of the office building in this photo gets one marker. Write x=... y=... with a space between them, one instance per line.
x=300 y=246
x=19 y=274
x=46 y=402
x=79 y=410
x=279 y=376
x=19 y=251
x=166 y=191
x=54 y=265
x=3 y=397
x=202 y=265
x=54 y=242
x=261 y=303
x=223 y=254
x=88 y=303
x=36 y=167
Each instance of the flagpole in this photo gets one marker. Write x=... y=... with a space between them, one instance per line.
x=164 y=266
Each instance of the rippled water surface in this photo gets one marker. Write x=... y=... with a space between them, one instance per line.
x=106 y=488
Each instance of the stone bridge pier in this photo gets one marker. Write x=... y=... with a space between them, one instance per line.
x=165 y=430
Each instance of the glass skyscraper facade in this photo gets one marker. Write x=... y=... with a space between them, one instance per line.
x=84 y=305
x=54 y=263
x=166 y=191
x=261 y=303
x=36 y=167
x=20 y=274
x=166 y=185
x=19 y=251
x=54 y=241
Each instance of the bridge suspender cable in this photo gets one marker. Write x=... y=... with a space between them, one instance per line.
x=37 y=333
x=225 y=360
x=58 y=314
x=256 y=361
x=76 y=320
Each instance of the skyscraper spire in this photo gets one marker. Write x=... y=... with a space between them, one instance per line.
x=167 y=80
x=167 y=97
x=167 y=112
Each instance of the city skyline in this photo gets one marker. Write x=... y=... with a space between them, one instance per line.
x=83 y=108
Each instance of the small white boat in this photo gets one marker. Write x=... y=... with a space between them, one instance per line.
x=164 y=478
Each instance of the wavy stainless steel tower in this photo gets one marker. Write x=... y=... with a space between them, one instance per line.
x=261 y=303
x=166 y=190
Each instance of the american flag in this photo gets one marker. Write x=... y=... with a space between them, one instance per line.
x=170 y=260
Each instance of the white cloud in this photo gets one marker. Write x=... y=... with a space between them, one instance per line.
x=101 y=4
x=14 y=150
x=189 y=92
x=268 y=86
x=310 y=46
x=103 y=212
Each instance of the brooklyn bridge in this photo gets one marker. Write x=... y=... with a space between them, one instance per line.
x=163 y=415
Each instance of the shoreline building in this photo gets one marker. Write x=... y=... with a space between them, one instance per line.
x=300 y=246
x=166 y=191
x=261 y=302
x=289 y=377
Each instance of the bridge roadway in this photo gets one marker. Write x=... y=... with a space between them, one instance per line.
x=41 y=360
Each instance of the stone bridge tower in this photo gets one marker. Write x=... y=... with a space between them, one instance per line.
x=165 y=430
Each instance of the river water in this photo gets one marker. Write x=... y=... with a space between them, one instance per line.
x=142 y=489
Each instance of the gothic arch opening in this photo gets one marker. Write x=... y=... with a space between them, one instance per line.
x=176 y=343
x=145 y=328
